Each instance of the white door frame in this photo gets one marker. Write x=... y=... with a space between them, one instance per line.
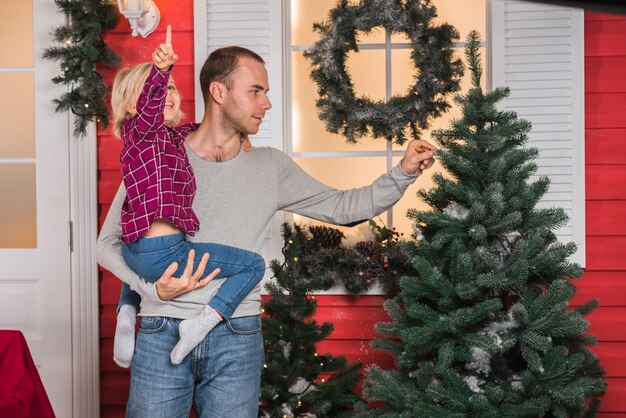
x=84 y=272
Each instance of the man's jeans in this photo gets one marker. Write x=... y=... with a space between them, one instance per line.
x=222 y=375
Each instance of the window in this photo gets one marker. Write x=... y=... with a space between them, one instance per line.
x=381 y=68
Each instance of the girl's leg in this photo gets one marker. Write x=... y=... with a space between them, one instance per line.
x=243 y=270
x=148 y=257
x=124 y=339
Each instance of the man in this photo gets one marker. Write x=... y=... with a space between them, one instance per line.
x=237 y=195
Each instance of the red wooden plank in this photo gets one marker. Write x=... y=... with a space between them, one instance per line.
x=349 y=301
x=608 y=324
x=606 y=217
x=593 y=15
x=605 y=182
x=605 y=74
x=606 y=253
x=109 y=149
x=356 y=323
x=356 y=351
x=107 y=411
x=110 y=287
x=609 y=288
x=135 y=50
x=613 y=401
x=104 y=210
x=605 y=110
x=108 y=183
x=611 y=355
x=108 y=318
x=114 y=388
x=605 y=37
x=605 y=146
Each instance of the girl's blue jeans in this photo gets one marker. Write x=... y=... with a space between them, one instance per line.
x=149 y=257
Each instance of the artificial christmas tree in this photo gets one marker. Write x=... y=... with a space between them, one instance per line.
x=484 y=328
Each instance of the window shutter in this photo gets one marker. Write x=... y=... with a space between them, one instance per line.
x=537 y=50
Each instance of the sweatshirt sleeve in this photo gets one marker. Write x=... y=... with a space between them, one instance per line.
x=109 y=251
x=300 y=193
x=149 y=119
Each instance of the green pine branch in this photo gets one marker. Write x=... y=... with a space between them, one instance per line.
x=81 y=49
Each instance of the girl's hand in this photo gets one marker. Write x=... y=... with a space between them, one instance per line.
x=164 y=56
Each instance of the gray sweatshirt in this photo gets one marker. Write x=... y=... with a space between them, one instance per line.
x=235 y=202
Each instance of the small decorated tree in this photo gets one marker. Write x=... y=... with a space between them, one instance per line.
x=297 y=381
x=484 y=326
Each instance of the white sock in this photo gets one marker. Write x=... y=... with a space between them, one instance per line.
x=124 y=341
x=192 y=331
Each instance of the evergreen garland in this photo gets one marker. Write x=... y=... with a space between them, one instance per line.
x=437 y=74
x=81 y=49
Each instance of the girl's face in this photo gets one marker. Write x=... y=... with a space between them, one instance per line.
x=172 y=104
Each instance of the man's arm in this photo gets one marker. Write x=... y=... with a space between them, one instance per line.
x=109 y=250
x=300 y=193
x=109 y=256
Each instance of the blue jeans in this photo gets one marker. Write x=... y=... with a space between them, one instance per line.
x=149 y=257
x=222 y=375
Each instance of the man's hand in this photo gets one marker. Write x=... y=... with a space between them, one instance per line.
x=419 y=156
x=164 y=56
x=169 y=287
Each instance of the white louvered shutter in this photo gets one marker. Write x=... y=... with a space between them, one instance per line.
x=537 y=50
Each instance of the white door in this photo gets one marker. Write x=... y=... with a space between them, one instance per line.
x=35 y=282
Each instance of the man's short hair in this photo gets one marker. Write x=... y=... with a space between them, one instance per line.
x=220 y=66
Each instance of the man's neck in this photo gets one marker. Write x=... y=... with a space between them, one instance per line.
x=214 y=144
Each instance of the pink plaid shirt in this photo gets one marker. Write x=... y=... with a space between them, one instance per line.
x=158 y=178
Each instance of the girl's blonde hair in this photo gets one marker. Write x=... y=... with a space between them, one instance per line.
x=127 y=87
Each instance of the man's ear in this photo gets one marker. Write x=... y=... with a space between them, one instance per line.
x=217 y=91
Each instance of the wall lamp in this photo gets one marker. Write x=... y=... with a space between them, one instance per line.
x=143 y=15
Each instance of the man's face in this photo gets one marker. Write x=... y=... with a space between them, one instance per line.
x=246 y=101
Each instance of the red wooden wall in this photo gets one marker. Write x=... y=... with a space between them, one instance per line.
x=114 y=381
x=605 y=276
x=605 y=170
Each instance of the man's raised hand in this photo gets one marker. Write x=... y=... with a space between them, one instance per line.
x=419 y=156
x=164 y=56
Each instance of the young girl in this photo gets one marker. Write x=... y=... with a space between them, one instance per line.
x=157 y=212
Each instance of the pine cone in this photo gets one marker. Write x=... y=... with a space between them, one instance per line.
x=326 y=237
x=370 y=249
